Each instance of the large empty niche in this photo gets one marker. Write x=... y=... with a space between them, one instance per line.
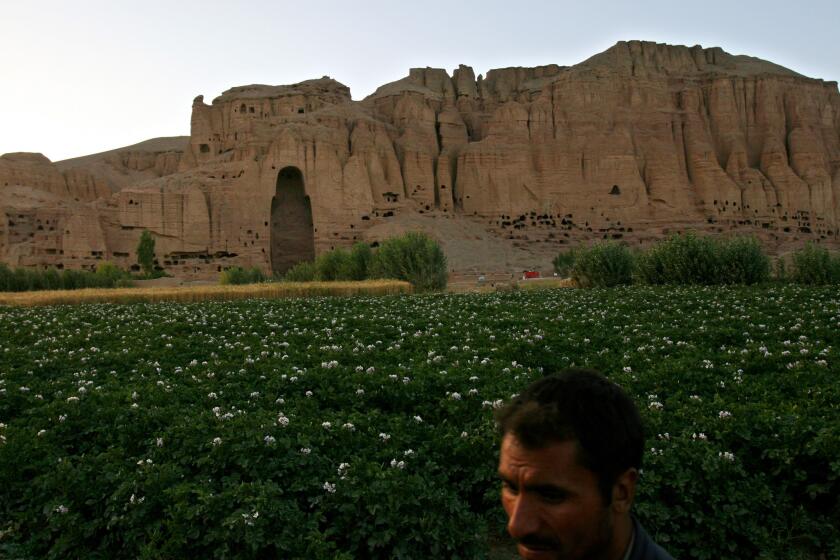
x=292 y=234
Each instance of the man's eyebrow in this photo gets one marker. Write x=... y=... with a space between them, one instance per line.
x=546 y=489
x=503 y=477
x=539 y=488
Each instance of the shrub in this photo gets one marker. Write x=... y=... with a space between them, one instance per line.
x=742 y=260
x=680 y=259
x=781 y=273
x=109 y=274
x=52 y=279
x=815 y=265
x=30 y=279
x=333 y=265
x=238 y=275
x=689 y=259
x=146 y=252
x=301 y=272
x=5 y=278
x=603 y=265
x=360 y=258
x=72 y=279
x=414 y=257
x=564 y=262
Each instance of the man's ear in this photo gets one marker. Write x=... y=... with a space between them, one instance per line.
x=624 y=490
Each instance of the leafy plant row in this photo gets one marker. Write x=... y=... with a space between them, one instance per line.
x=413 y=257
x=107 y=275
x=691 y=259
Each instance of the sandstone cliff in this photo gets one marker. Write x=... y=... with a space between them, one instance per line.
x=635 y=142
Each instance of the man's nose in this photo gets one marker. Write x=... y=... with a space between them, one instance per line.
x=523 y=518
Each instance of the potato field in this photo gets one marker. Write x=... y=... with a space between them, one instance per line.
x=362 y=427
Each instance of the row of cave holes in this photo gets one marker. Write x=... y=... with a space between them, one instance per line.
x=26 y=218
x=392 y=197
x=545 y=219
x=252 y=110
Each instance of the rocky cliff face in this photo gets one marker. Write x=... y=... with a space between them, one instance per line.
x=638 y=141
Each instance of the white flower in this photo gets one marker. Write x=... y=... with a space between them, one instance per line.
x=329 y=487
x=397 y=464
x=255 y=395
x=384 y=437
x=305 y=450
x=62 y=418
x=418 y=419
x=281 y=400
x=408 y=453
x=326 y=425
x=700 y=436
x=655 y=405
x=342 y=470
x=627 y=369
x=726 y=455
x=308 y=394
x=349 y=426
x=724 y=414
x=217 y=441
x=211 y=395
x=283 y=420
x=455 y=396
x=73 y=399
x=62 y=509
x=464 y=434
x=360 y=392
x=159 y=442
x=269 y=440
x=42 y=432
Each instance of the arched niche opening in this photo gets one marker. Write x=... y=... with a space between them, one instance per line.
x=292 y=232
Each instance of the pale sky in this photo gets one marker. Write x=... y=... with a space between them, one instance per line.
x=85 y=76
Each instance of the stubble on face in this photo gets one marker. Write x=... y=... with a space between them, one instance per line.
x=554 y=507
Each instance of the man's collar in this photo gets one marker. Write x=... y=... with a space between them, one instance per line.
x=630 y=544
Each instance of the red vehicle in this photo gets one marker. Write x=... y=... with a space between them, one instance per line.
x=530 y=274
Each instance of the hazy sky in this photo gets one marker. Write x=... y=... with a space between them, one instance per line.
x=80 y=77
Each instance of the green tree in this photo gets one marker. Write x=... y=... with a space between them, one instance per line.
x=146 y=252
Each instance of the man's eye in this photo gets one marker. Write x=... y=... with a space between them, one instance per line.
x=508 y=487
x=553 y=497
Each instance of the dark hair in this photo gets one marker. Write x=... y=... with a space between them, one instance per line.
x=579 y=405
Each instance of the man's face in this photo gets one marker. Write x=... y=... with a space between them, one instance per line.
x=554 y=508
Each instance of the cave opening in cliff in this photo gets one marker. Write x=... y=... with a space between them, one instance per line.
x=292 y=232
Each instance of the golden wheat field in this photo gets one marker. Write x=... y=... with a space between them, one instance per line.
x=204 y=293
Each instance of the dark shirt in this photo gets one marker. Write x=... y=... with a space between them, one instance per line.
x=643 y=547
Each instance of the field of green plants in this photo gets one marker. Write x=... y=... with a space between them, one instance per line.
x=362 y=427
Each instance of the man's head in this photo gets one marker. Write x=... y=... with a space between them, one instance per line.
x=571 y=451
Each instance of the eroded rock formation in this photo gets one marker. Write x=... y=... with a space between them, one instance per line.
x=638 y=141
